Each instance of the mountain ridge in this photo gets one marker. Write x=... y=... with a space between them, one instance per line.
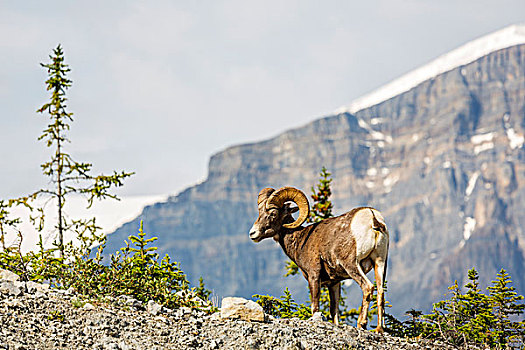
x=469 y=52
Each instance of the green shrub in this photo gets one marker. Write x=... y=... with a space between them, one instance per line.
x=488 y=319
x=283 y=307
x=135 y=270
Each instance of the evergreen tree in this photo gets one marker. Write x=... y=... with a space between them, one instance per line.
x=322 y=206
x=506 y=304
x=488 y=319
x=67 y=175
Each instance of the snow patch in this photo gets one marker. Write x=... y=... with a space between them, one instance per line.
x=478 y=139
x=375 y=121
x=109 y=215
x=483 y=147
x=465 y=54
x=376 y=135
x=371 y=172
x=515 y=139
x=468 y=227
x=363 y=124
x=471 y=184
x=390 y=181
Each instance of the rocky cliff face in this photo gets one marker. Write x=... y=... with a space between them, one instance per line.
x=443 y=161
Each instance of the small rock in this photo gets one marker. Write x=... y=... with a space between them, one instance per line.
x=248 y=310
x=317 y=317
x=188 y=295
x=8 y=275
x=216 y=316
x=39 y=294
x=33 y=287
x=161 y=319
x=129 y=301
x=111 y=346
x=89 y=306
x=295 y=345
x=14 y=303
x=9 y=287
x=153 y=308
x=185 y=310
x=123 y=346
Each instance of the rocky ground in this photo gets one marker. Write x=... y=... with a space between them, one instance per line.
x=32 y=316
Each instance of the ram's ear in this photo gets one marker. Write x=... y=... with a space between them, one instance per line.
x=288 y=210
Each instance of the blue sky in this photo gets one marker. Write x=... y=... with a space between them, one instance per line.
x=159 y=86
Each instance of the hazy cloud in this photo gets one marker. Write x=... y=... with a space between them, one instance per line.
x=160 y=86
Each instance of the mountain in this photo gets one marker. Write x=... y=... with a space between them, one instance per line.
x=439 y=151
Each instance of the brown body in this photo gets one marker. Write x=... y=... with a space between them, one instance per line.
x=328 y=252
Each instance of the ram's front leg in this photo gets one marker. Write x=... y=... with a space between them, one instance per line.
x=335 y=295
x=314 y=283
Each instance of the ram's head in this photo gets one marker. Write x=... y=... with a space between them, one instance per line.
x=275 y=213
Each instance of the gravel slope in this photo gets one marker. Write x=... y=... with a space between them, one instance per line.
x=34 y=317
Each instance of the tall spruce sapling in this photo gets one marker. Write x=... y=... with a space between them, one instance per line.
x=321 y=209
x=135 y=270
x=507 y=308
x=67 y=175
x=322 y=205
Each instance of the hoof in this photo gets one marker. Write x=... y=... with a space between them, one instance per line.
x=361 y=326
x=379 y=330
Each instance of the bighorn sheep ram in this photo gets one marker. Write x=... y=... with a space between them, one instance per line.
x=335 y=249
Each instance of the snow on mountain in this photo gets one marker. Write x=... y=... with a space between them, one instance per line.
x=110 y=215
x=510 y=36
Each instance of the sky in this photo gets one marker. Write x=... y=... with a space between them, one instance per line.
x=160 y=86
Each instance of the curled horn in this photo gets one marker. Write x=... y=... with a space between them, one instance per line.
x=264 y=194
x=286 y=194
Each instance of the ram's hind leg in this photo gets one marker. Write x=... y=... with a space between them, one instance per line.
x=356 y=273
x=379 y=269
